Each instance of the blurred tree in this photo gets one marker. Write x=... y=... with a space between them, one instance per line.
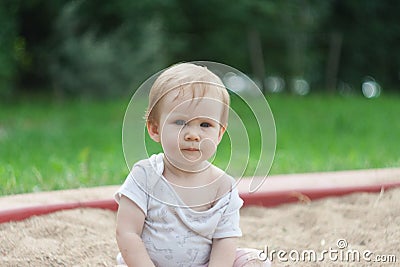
x=198 y=30
x=220 y=30
x=85 y=48
x=257 y=36
x=12 y=49
x=35 y=20
x=371 y=37
x=92 y=58
x=79 y=47
x=294 y=32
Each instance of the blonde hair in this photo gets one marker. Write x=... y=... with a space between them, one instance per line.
x=181 y=77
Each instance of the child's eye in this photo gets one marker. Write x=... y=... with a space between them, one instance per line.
x=180 y=122
x=205 y=124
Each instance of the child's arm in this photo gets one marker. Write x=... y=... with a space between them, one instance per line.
x=223 y=252
x=130 y=220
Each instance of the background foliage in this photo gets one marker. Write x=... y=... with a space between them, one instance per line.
x=105 y=48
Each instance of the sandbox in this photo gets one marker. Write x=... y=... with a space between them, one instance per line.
x=288 y=213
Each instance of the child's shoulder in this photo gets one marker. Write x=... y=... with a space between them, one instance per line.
x=146 y=172
x=224 y=181
x=154 y=163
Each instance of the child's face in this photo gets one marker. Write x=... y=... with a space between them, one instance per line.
x=189 y=130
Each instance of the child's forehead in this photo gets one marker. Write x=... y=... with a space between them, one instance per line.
x=190 y=106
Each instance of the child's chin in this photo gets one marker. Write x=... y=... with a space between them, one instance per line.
x=192 y=157
x=193 y=165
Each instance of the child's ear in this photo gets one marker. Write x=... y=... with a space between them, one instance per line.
x=222 y=130
x=153 y=130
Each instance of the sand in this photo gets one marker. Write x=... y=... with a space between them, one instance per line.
x=86 y=237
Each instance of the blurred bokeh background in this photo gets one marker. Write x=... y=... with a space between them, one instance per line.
x=329 y=69
x=106 y=48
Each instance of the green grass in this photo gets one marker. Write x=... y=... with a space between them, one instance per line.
x=46 y=146
x=49 y=146
x=322 y=133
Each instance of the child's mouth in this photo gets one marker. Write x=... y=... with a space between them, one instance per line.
x=191 y=149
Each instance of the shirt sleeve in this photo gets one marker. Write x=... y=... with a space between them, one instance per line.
x=228 y=226
x=135 y=188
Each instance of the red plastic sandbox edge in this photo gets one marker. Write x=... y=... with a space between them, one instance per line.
x=20 y=214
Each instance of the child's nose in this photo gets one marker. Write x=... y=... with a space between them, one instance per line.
x=191 y=135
